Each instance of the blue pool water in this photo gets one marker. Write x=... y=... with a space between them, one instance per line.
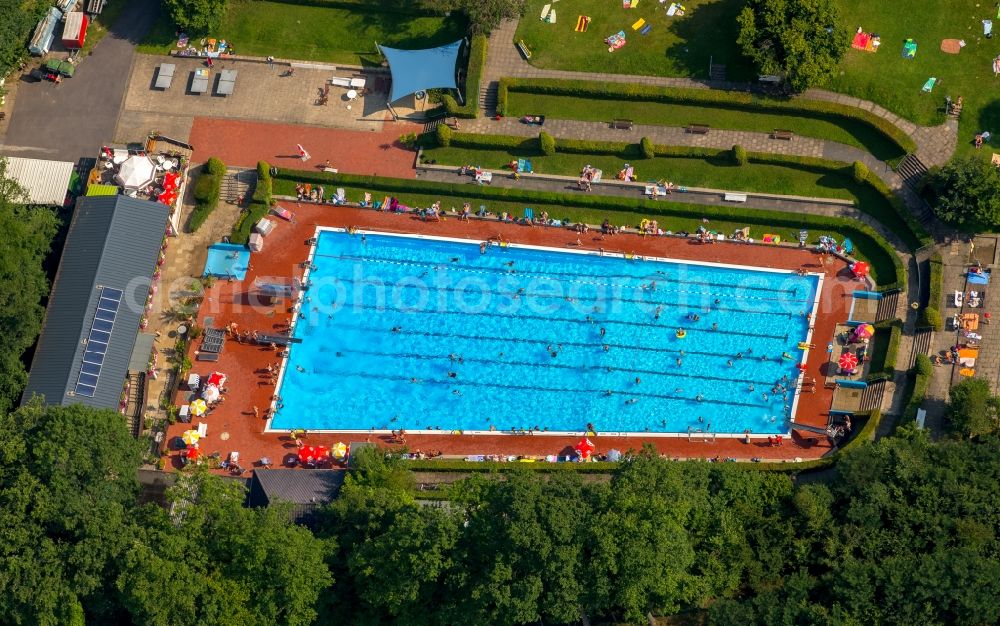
x=227 y=259
x=401 y=332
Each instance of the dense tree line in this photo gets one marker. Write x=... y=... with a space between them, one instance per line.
x=17 y=23
x=26 y=234
x=905 y=532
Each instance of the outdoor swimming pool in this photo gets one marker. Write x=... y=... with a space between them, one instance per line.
x=418 y=333
x=227 y=260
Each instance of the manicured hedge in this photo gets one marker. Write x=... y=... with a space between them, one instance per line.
x=460 y=465
x=477 y=62
x=894 y=329
x=892 y=274
x=914 y=236
x=930 y=316
x=260 y=204
x=206 y=192
x=921 y=375
x=740 y=101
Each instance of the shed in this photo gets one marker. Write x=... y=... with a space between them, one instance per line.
x=46 y=182
x=41 y=40
x=306 y=490
x=75 y=30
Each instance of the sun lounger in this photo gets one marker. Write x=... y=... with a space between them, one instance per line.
x=988 y=27
x=675 y=10
x=283 y=213
x=552 y=17
x=959 y=296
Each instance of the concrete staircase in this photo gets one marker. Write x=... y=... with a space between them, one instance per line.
x=888 y=306
x=911 y=169
x=238 y=182
x=488 y=97
x=871 y=398
x=921 y=344
x=134 y=402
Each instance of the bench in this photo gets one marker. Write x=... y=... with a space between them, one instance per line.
x=735 y=197
x=697 y=129
x=622 y=124
x=523 y=48
x=782 y=134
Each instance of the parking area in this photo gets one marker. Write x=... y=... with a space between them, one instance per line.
x=261 y=93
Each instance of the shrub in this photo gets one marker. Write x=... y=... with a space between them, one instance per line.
x=739 y=155
x=263 y=190
x=215 y=167
x=444 y=133
x=935 y=278
x=930 y=317
x=733 y=100
x=206 y=196
x=646 y=148
x=546 y=143
x=920 y=375
x=922 y=365
x=972 y=408
x=886 y=266
x=260 y=204
x=861 y=172
x=477 y=62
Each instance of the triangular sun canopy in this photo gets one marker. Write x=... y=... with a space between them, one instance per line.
x=419 y=70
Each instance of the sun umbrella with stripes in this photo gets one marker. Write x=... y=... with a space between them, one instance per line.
x=190 y=437
x=198 y=407
x=848 y=361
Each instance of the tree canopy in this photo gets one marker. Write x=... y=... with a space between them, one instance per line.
x=26 y=234
x=972 y=409
x=967 y=193
x=17 y=22
x=801 y=40
x=197 y=17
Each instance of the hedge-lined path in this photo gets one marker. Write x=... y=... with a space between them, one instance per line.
x=935 y=144
x=708 y=197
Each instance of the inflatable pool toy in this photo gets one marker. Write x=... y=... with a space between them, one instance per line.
x=681 y=333
x=804 y=346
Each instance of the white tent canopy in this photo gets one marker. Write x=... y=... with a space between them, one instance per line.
x=136 y=172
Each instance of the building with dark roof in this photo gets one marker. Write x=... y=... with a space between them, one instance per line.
x=97 y=301
x=306 y=490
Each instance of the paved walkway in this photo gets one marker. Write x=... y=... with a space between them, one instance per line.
x=73 y=119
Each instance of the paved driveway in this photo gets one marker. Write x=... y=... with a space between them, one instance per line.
x=72 y=120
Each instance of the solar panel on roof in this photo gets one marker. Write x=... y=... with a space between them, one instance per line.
x=97 y=341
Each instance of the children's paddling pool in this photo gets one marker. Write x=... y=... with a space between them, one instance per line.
x=427 y=333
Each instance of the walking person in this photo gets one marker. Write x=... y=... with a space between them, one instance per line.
x=270 y=62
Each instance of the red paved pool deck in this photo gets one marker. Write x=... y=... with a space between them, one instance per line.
x=286 y=249
x=242 y=144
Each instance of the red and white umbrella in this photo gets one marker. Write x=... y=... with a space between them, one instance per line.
x=848 y=361
x=585 y=448
x=307 y=454
x=216 y=378
x=322 y=453
x=860 y=269
x=192 y=453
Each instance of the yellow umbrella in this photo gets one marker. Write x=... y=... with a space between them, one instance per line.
x=190 y=437
x=198 y=407
x=339 y=450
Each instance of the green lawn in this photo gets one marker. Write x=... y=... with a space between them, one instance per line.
x=866 y=250
x=713 y=173
x=850 y=132
x=316 y=33
x=676 y=46
x=682 y=47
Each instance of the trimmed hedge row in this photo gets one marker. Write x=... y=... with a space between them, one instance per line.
x=894 y=328
x=206 y=192
x=878 y=251
x=739 y=101
x=477 y=63
x=921 y=375
x=260 y=204
x=930 y=316
x=916 y=236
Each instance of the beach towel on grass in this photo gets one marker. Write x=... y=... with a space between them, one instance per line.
x=988 y=27
x=582 y=22
x=951 y=46
x=639 y=24
x=545 y=12
x=909 y=49
x=551 y=19
x=929 y=85
x=645 y=29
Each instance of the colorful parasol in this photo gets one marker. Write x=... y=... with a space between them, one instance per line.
x=190 y=437
x=585 y=448
x=864 y=331
x=339 y=450
x=216 y=378
x=198 y=407
x=848 y=361
x=192 y=453
x=307 y=454
x=859 y=269
x=322 y=453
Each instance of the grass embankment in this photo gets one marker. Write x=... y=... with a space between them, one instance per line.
x=308 y=32
x=717 y=171
x=846 y=131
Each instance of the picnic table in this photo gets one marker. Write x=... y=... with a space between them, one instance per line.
x=199 y=80
x=165 y=75
x=227 y=83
